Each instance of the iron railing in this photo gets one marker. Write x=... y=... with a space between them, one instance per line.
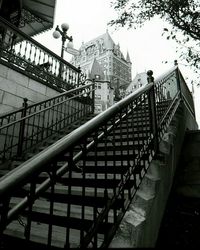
x=24 y=128
x=24 y=54
x=186 y=94
x=125 y=137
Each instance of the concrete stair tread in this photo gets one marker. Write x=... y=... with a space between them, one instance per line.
x=152 y=177
x=145 y=195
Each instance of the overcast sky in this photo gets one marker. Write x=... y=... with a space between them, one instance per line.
x=147 y=48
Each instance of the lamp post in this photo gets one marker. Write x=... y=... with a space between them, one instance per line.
x=63 y=34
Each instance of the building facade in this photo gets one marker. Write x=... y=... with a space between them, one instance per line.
x=104 y=92
x=115 y=66
x=139 y=80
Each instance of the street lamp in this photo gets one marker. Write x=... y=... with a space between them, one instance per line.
x=63 y=34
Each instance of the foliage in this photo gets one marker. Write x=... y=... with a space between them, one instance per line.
x=182 y=15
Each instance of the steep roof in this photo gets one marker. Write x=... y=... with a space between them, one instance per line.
x=128 y=57
x=96 y=69
x=105 y=39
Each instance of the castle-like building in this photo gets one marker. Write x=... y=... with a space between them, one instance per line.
x=115 y=66
x=139 y=80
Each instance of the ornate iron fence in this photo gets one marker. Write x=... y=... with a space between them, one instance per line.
x=21 y=52
x=22 y=129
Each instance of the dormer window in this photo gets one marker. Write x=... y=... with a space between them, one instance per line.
x=97 y=77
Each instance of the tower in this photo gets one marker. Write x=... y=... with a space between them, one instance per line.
x=109 y=56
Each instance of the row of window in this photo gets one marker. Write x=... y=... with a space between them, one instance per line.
x=99 y=97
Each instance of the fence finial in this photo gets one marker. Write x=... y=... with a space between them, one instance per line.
x=25 y=103
x=150 y=77
x=175 y=62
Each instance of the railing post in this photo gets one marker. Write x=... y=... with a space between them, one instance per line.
x=4 y=208
x=93 y=96
x=178 y=78
x=152 y=110
x=78 y=78
x=22 y=127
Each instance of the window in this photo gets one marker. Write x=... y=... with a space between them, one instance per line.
x=98 y=108
x=97 y=76
x=97 y=96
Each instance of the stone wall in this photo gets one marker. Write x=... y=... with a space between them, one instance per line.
x=141 y=223
x=15 y=86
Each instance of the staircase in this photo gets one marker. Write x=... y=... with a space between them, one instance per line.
x=91 y=184
x=47 y=142
x=75 y=192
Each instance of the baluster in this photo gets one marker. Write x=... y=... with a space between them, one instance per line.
x=64 y=72
x=67 y=75
x=113 y=142
x=38 y=127
x=95 y=208
x=39 y=57
x=58 y=69
x=129 y=153
x=22 y=128
x=70 y=164
x=152 y=106
x=34 y=56
x=106 y=162
x=44 y=55
x=55 y=67
x=10 y=39
x=25 y=49
x=93 y=97
x=48 y=120
x=51 y=68
x=4 y=208
x=31 y=198
x=51 y=208
x=78 y=78
x=70 y=76
x=83 y=189
x=106 y=202
x=33 y=125
x=20 y=49
x=30 y=52
x=74 y=79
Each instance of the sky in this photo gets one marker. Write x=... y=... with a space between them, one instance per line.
x=147 y=48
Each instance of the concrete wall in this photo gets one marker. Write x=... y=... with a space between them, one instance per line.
x=141 y=223
x=15 y=86
x=188 y=172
